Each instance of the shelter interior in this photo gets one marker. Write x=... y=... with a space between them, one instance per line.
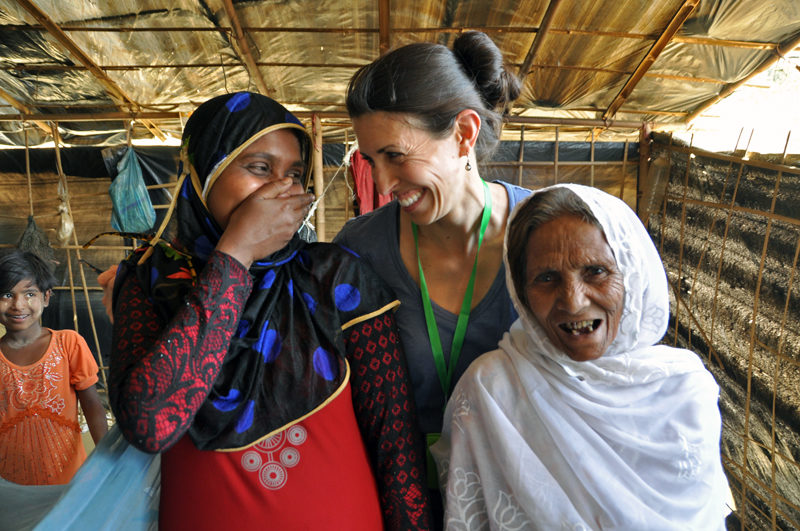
x=614 y=91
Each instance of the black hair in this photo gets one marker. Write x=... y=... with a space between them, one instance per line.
x=542 y=207
x=433 y=84
x=17 y=265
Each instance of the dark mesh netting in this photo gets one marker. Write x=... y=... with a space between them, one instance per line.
x=34 y=240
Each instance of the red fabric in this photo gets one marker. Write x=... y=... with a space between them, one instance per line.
x=160 y=374
x=368 y=198
x=314 y=475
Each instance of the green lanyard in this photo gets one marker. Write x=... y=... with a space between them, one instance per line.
x=446 y=373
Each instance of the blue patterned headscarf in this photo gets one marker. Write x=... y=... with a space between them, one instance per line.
x=287 y=356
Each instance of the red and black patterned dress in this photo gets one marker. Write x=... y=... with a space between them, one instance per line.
x=351 y=463
x=278 y=394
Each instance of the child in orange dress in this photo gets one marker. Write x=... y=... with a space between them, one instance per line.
x=43 y=375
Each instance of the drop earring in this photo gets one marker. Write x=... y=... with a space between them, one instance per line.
x=468 y=166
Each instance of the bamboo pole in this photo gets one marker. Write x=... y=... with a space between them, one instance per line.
x=547 y=120
x=644 y=160
x=689 y=160
x=549 y=163
x=319 y=177
x=28 y=171
x=591 y=159
x=384 y=27
x=56 y=142
x=521 y=157
x=752 y=45
x=753 y=163
x=731 y=209
x=240 y=38
x=776 y=374
x=624 y=171
x=530 y=57
x=779 y=52
x=751 y=349
x=555 y=160
x=711 y=231
x=672 y=28
x=348 y=199
x=664 y=203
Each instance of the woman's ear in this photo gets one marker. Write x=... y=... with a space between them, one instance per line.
x=46 y=297
x=467 y=125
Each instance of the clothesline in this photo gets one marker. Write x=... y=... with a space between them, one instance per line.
x=344 y=164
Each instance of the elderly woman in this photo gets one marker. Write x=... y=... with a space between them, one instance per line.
x=579 y=420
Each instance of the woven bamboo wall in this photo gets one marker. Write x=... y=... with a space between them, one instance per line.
x=729 y=235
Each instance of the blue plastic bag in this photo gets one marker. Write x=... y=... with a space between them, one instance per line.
x=132 y=210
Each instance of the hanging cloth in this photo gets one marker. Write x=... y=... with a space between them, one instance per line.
x=368 y=197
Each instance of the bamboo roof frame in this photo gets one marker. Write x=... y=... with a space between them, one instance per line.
x=240 y=37
x=778 y=52
x=677 y=21
x=114 y=90
x=240 y=33
x=530 y=57
x=753 y=45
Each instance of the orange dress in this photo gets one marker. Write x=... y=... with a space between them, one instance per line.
x=40 y=439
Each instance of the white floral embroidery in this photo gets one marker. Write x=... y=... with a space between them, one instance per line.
x=507 y=514
x=462 y=408
x=689 y=465
x=271 y=458
x=465 y=487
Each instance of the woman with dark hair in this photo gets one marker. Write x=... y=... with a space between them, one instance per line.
x=580 y=420
x=425 y=116
x=265 y=369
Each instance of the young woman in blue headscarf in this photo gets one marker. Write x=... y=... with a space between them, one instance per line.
x=267 y=370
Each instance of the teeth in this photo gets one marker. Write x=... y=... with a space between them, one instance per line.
x=581 y=327
x=409 y=199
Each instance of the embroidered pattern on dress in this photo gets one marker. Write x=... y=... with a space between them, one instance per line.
x=689 y=465
x=465 y=487
x=35 y=386
x=271 y=458
x=507 y=514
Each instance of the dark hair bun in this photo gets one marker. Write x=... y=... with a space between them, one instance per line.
x=483 y=62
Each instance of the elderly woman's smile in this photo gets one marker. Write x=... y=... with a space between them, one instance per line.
x=574 y=288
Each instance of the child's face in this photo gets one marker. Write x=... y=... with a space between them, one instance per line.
x=22 y=307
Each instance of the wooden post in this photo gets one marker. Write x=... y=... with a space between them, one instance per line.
x=644 y=160
x=521 y=154
x=347 y=199
x=319 y=178
x=555 y=160
x=591 y=157
x=624 y=171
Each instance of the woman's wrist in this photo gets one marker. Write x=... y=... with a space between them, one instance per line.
x=240 y=255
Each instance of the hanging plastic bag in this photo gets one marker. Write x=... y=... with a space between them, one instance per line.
x=132 y=210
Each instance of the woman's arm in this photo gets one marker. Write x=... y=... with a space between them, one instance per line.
x=387 y=419
x=162 y=372
x=94 y=412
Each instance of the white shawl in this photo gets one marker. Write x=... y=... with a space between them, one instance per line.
x=535 y=440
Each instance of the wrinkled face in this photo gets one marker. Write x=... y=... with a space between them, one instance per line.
x=22 y=307
x=273 y=156
x=422 y=172
x=574 y=288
